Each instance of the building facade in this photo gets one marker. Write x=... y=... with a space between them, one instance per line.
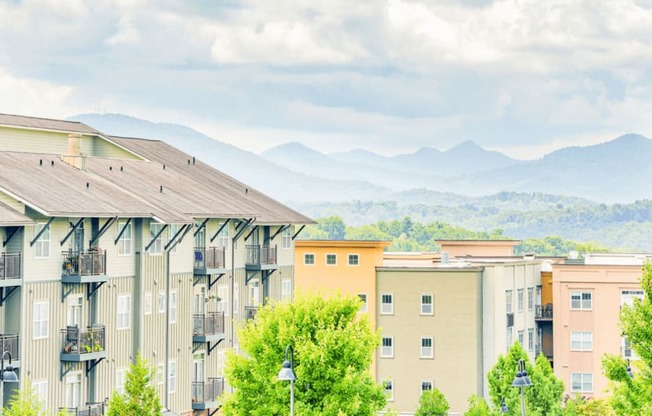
x=115 y=246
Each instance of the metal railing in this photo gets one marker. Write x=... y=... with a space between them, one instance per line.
x=543 y=311
x=10 y=265
x=250 y=312
x=261 y=254
x=212 y=323
x=84 y=263
x=210 y=258
x=209 y=391
x=10 y=342
x=75 y=341
x=91 y=409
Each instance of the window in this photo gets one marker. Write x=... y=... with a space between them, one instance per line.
x=387 y=347
x=41 y=320
x=286 y=238
x=363 y=298
x=160 y=373
x=509 y=337
x=331 y=259
x=286 y=290
x=582 y=382
x=627 y=296
x=626 y=349
x=530 y=339
x=172 y=231
x=161 y=302
x=236 y=297
x=172 y=377
x=309 y=259
x=124 y=312
x=426 y=348
x=73 y=390
x=530 y=298
x=426 y=304
x=521 y=338
x=581 y=300
x=426 y=386
x=223 y=238
x=157 y=245
x=147 y=303
x=173 y=307
x=520 y=296
x=42 y=244
x=223 y=299
x=389 y=390
x=581 y=341
x=508 y=301
x=124 y=243
x=41 y=391
x=386 y=304
x=120 y=378
x=354 y=260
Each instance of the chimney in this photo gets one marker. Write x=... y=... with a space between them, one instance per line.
x=74 y=144
x=74 y=156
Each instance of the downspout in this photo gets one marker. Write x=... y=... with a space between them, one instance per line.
x=167 y=329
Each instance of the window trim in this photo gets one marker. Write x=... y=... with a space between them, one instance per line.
x=530 y=298
x=122 y=240
x=391 y=312
x=156 y=242
x=432 y=348
x=432 y=385
x=41 y=240
x=520 y=300
x=391 y=355
x=286 y=237
x=581 y=340
x=118 y=313
x=581 y=293
x=172 y=375
x=326 y=259
x=41 y=303
x=432 y=304
x=390 y=383
x=365 y=303
x=286 y=297
x=314 y=259
x=582 y=383
x=175 y=307
x=348 y=259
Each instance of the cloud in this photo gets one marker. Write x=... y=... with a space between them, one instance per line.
x=34 y=97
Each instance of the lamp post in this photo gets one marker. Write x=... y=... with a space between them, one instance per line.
x=521 y=381
x=503 y=407
x=287 y=374
x=629 y=370
x=7 y=375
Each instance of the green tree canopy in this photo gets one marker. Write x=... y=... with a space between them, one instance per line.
x=140 y=397
x=479 y=407
x=432 y=403
x=333 y=349
x=25 y=403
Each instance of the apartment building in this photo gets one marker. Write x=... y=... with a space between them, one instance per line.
x=113 y=246
x=587 y=296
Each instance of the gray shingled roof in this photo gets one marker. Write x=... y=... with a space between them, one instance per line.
x=46 y=124
x=10 y=217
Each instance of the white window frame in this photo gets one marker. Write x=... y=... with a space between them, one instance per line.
x=223 y=302
x=172 y=304
x=628 y=296
x=326 y=259
x=286 y=239
x=427 y=385
x=161 y=302
x=509 y=337
x=389 y=310
x=521 y=338
x=509 y=301
x=520 y=299
x=424 y=306
x=387 y=351
x=172 y=231
x=351 y=256
x=223 y=237
x=160 y=373
x=530 y=298
x=581 y=341
x=125 y=243
x=582 y=382
x=41 y=391
x=364 y=298
x=625 y=346
x=388 y=386
x=42 y=244
x=582 y=302
x=427 y=352
x=236 y=299
x=121 y=379
x=286 y=290
x=156 y=249
x=305 y=259
x=147 y=303
x=172 y=376
x=123 y=317
x=41 y=320
x=530 y=339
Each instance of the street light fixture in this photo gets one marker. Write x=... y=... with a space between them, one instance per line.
x=7 y=375
x=629 y=370
x=521 y=381
x=287 y=374
x=503 y=406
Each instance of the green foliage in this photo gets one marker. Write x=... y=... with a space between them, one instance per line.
x=25 y=403
x=432 y=403
x=333 y=226
x=543 y=398
x=479 y=407
x=581 y=406
x=634 y=395
x=333 y=349
x=140 y=397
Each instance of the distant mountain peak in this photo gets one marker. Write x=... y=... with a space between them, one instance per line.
x=466 y=145
x=291 y=149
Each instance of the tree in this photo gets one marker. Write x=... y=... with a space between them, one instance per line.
x=543 y=398
x=333 y=348
x=140 y=397
x=581 y=406
x=478 y=407
x=25 y=403
x=633 y=395
x=432 y=403
x=334 y=226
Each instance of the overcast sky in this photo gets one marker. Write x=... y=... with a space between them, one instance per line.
x=520 y=76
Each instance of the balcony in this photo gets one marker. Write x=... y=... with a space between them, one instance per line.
x=91 y=409
x=205 y=394
x=84 y=267
x=261 y=258
x=211 y=260
x=208 y=327
x=543 y=312
x=10 y=269
x=10 y=342
x=79 y=346
x=250 y=312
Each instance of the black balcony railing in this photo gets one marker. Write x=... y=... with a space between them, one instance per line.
x=91 y=409
x=9 y=342
x=543 y=312
x=209 y=391
x=212 y=323
x=261 y=255
x=84 y=263
x=76 y=341
x=210 y=258
x=10 y=266
x=250 y=312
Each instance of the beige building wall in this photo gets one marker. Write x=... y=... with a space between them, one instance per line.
x=483 y=248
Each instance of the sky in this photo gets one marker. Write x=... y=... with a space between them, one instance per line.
x=523 y=77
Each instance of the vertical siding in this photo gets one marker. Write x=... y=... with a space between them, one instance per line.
x=45 y=269
x=33 y=141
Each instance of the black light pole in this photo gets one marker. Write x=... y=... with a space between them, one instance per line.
x=287 y=374
x=503 y=407
x=521 y=381
x=629 y=370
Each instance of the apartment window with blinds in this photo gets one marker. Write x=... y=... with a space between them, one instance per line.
x=42 y=244
x=157 y=244
x=582 y=382
x=286 y=290
x=530 y=339
x=223 y=238
x=581 y=341
x=363 y=298
x=581 y=300
x=427 y=349
x=508 y=301
x=530 y=298
x=41 y=391
x=387 y=347
x=172 y=377
x=123 y=320
x=386 y=304
x=125 y=241
x=41 y=320
x=521 y=338
x=286 y=238
x=426 y=386
x=520 y=296
x=120 y=378
x=426 y=304
x=173 y=307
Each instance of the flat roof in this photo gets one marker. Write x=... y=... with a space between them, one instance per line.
x=342 y=243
